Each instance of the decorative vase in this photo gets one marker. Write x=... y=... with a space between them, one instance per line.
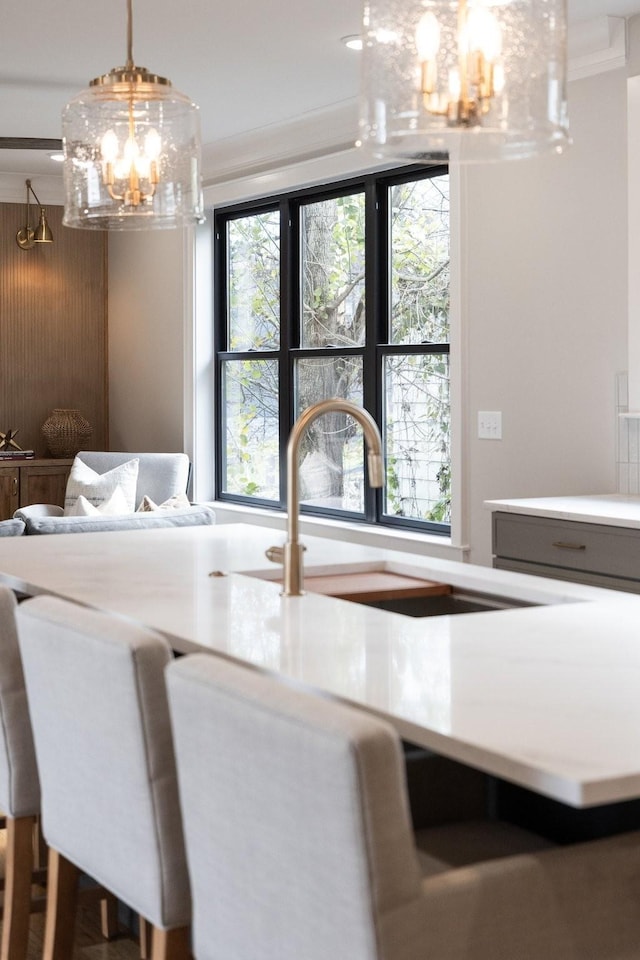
x=66 y=432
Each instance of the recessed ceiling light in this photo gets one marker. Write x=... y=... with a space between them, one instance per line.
x=353 y=41
x=58 y=157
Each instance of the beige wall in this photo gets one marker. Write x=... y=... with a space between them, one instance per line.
x=146 y=340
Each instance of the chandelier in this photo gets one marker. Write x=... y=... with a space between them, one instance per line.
x=131 y=152
x=469 y=80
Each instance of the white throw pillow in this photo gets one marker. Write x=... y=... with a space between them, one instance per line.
x=116 y=505
x=98 y=487
x=177 y=502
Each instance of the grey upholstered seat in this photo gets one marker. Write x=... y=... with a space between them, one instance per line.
x=12 y=528
x=19 y=784
x=298 y=835
x=100 y=719
x=299 y=844
x=197 y=515
x=20 y=797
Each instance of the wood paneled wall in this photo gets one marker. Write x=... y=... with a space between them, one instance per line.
x=53 y=327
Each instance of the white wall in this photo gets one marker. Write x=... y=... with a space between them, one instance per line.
x=543 y=300
x=545 y=290
x=633 y=158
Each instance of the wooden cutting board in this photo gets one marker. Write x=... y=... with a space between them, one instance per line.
x=376 y=585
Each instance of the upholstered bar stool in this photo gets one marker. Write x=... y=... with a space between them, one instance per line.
x=110 y=808
x=19 y=786
x=299 y=844
x=20 y=800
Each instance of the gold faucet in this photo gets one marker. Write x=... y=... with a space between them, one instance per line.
x=290 y=555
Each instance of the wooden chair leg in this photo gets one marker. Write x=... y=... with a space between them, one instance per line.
x=108 y=916
x=62 y=899
x=17 y=896
x=171 y=944
x=145 y=938
x=39 y=849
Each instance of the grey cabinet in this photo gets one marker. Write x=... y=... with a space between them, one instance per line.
x=593 y=553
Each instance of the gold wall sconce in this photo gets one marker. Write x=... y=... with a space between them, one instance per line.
x=28 y=236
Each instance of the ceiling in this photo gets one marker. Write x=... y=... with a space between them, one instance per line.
x=248 y=64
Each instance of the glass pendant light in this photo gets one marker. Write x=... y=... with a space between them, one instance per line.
x=131 y=152
x=469 y=80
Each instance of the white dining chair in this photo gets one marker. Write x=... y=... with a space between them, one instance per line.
x=299 y=844
x=98 y=704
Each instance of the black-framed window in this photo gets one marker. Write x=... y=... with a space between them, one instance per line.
x=337 y=291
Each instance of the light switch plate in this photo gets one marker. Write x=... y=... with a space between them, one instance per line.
x=489 y=425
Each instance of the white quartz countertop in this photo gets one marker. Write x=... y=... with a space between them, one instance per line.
x=613 y=509
x=545 y=696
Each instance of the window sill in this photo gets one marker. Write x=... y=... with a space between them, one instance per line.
x=407 y=541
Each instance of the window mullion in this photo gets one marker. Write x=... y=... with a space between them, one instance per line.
x=289 y=286
x=376 y=289
x=220 y=343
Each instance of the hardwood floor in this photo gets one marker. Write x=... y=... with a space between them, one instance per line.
x=89 y=944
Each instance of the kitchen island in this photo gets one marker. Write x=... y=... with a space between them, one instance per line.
x=544 y=694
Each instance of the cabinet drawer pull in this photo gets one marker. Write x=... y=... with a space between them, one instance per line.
x=563 y=545
x=15 y=486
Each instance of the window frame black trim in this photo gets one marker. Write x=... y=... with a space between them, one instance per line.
x=375 y=187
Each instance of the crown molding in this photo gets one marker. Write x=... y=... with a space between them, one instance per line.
x=319 y=133
x=596 y=46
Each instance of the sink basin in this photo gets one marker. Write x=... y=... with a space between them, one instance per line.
x=403 y=592
x=456 y=601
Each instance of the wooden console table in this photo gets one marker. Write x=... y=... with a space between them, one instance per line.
x=31 y=481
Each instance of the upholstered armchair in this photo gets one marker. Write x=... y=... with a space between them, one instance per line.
x=160 y=476
x=144 y=490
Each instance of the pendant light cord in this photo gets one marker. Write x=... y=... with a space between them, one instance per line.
x=129 y=35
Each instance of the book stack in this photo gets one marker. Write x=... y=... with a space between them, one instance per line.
x=9 y=454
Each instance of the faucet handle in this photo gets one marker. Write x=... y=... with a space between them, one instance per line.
x=275 y=554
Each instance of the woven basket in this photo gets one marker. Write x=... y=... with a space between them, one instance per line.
x=66 y=432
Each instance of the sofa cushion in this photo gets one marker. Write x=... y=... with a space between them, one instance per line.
x=98 y=487
x=177 y=502
x=116 y=505
x=160 y=475
x=11 y=528
x=189 y=517
x=39 y=510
